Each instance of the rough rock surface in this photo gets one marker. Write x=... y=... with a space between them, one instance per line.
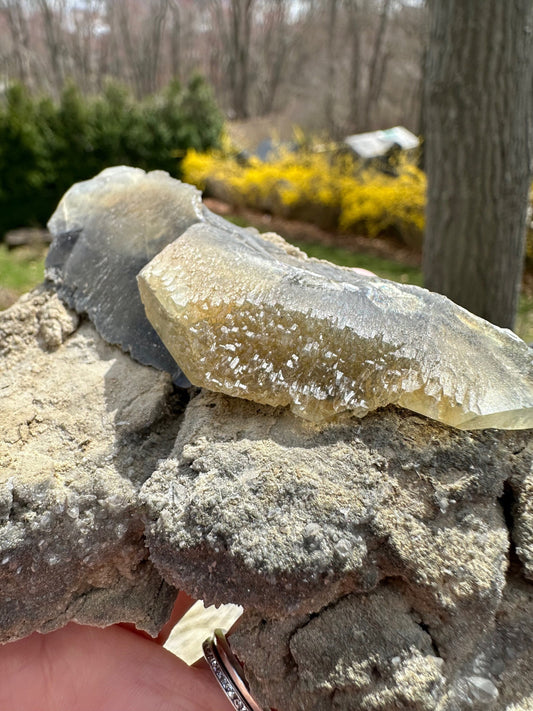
x=374 y=651
x=383 y=563
x=82 y=426
x=371 y=556
x=520 y=494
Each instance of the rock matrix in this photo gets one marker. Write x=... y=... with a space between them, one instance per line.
x=383 y=562
x=81 y=430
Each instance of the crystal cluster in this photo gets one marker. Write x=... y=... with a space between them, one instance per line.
x=252 y=317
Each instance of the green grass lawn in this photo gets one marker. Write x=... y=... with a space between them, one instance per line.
x=385 y=268
x=23 y=268
x=408 y=275
x=524 y=318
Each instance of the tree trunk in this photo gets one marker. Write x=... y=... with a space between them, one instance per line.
x=153 y=42
x=354 y=20
x=175 y=40
x=478 y=81
x=378 y=63
x=331 y=122
x=240 y=37
x=275 y=47
x=18 y=25
x=52 y=20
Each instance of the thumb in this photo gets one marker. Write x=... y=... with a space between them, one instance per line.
x=81 y=668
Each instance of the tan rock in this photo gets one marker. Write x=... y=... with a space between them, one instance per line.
x=74 y=415
x=372 y=557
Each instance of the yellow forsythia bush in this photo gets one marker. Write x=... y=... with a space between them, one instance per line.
x=313 y=188
x=375 y=203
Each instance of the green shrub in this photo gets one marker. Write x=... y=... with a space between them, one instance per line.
x=45 y=146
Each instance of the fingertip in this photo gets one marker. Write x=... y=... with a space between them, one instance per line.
x=85 y=668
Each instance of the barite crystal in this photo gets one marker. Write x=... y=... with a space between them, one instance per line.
x=251 y=316
x=105 y=230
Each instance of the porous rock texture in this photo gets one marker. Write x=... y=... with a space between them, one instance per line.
x=373 y=557
x=81 y=427
x=383 y=563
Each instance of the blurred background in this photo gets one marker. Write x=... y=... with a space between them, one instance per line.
x=308 y=117
x=343 y=67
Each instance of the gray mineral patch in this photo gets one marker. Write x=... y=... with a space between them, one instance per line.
x=105 y=230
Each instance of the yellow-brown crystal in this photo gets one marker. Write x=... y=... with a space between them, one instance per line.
x=251 y=316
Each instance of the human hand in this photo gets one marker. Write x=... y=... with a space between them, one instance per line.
x=80 y=668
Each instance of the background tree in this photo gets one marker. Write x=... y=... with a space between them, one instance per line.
x=329 y=102
x=273 y=53
x=353 y=9
x=378 y=62
x=233 y=21
x=15 y=18
x=322 y=64
x=137 y=32
x=53 y=18
x=478 y=88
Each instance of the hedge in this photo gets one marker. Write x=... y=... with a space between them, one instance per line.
x=331 y=193
x=46 y=146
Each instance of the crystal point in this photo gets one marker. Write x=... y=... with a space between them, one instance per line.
x=251 y=316
x=105 y=230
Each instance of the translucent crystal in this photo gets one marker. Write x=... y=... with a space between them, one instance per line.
x=105 y=230
x=252 y=317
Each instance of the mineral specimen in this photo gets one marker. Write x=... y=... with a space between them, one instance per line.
x=251 y=316
x=105 y=230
